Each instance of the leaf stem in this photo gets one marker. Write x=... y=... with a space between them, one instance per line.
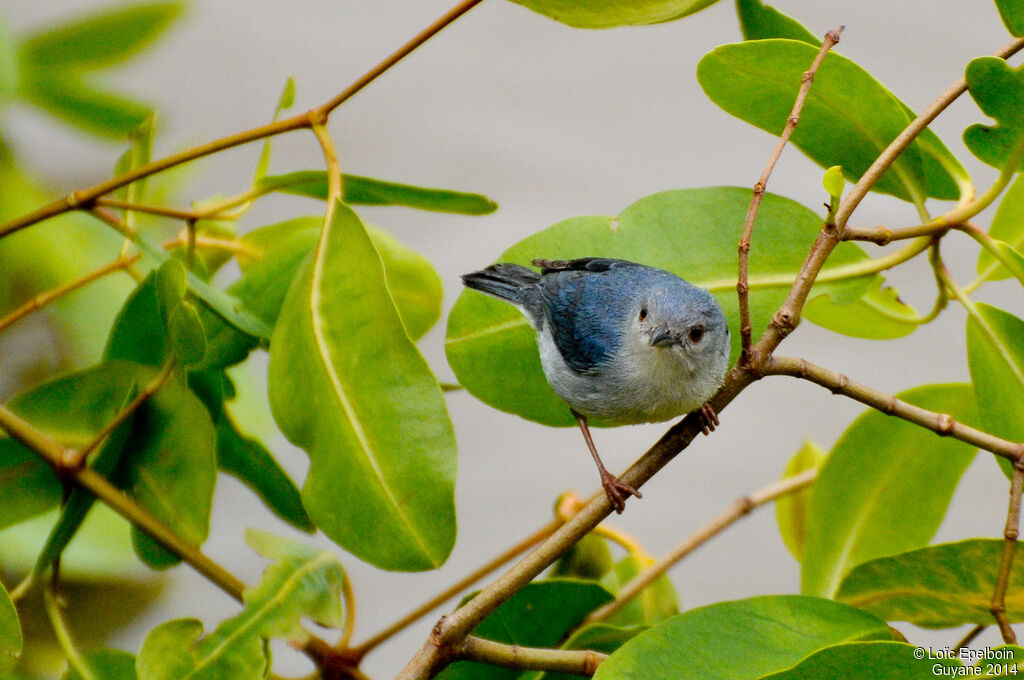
x=742 y=290
x=63 y=634
x=739 y=508
x=160 y=210
x=998 y=607
x=990 y=244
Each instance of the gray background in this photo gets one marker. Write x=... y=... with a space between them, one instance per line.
x=551 y=122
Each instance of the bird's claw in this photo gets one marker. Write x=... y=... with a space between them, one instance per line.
x=618 y=492
x=708 y=419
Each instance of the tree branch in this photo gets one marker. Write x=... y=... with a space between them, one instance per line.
x=742 y=288
x=998 y=607
x=577 y=662
x=739 y=508
x=940 y=423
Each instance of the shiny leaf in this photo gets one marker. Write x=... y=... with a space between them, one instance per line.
x=653 y=604
x=884 y=487
x=609 y=13
x=691 y=232
x=870 y=661
x=940 y=586
x=847 y=119
x=998 y=91
x=741 y=639
x=878 y=314
x=368 y=191
x=382 y=451
x=791 y=509
x=101 y=39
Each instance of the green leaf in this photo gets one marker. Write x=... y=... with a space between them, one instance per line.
x=248 y=460
x=170 y=287
x=588 y=558
x=8 y=65
x=691 y=232
x=1010 y=259
x=100 y=40
x=878 y=314
x=833 y=181
x=936 y=587
x=27 y=484
x=79 y=502
x=138 y=154
x=10 y=634
x=998 y=90
x=539 y=615
x=381 y=447
x=303 y=582
x=1012 y=14
x=870 y=661
x=995 y=354
x=610 y=13
x=791 y=509
x=284 y=102
x=884 y=487
x=740 y=639
x=82 y=104
x=368 y=191
x=847 y=119
x=598 y=637
x=653 y=604
x=759 y=21
x=106 y=664
x=185 y=331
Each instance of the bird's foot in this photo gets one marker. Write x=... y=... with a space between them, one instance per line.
x=708 y=419
x=617 y=491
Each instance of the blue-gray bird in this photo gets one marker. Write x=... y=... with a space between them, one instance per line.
x=620 y=342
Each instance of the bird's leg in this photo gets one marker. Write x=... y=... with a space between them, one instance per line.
x=708 y=418
x=612 y=486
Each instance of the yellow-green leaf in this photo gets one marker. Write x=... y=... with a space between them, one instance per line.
x=791 y=509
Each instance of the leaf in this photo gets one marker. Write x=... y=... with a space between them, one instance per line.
x=848 y=117
x=138 y=154
x=740 y=639
x=598 y=637
x=106 y=664
x=759 y=21
x=368 y=191
x=833 y=181
x=884 y=487
x=284 y=102
x=1012 y=14
x=1008 y=227
x=998 y=90
x=249 y=461
x=995 y=354
x=653 y=604
x=100 y=40
x=878 y=314
x=691 y=232
x=185 y=331
x=791 y=509
x=10 y=634
x=27 y=484
x=870 y=661
x=381 y=447
x=538 y=615
x=82 y=104
x=8 y=65
x=170 y=285
x=79 y=501
x=1009 y=258
x=939 y=586
x=609 y=13
x=303 y=582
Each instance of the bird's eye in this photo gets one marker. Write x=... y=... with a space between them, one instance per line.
x=696 y=333
x=643 y=314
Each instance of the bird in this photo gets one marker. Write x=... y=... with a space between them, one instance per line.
x=620 y=342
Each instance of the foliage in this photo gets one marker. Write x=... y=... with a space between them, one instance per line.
x=146 y=414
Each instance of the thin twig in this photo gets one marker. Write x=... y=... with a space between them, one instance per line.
x=447 y=594
x=742 y=289
x=76 y=459
x=577 y=662
x=739 y=508
x=159 y=210
x=942 y=424
x=63 y=633
x=969 y=638
x=85 y=198
x=998 y=607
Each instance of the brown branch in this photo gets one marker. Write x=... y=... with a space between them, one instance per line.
x=174 y=213
x=940 y=423
x=742 y=287
x=359 y=651
x=577 y=662
x=969 y=638
x=739 y=508
x=998 y=607
x=85 y=198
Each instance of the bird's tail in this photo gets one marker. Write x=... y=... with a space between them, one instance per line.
x=511 y=282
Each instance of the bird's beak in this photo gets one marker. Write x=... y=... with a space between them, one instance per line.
x=663 y=337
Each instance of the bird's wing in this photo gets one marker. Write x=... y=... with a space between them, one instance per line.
x=587 y=264
x=585 y=335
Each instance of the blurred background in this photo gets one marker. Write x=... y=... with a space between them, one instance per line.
x=551 y=122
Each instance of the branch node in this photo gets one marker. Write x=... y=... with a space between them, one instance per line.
x=794 y=120
x=833 y=35
x=944 y=424
x=805 y=77
x=890 y=405
x=784 y=321
x=759 y=186
x=1011 y=534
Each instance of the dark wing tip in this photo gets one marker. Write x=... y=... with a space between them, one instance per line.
x=589 y=264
